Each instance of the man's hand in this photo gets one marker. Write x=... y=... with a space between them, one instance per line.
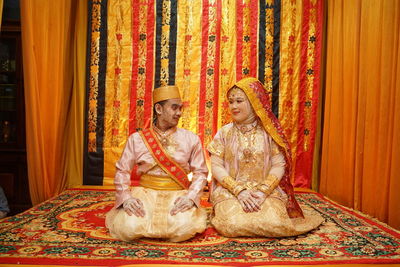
x=134 y=206
x=249 y=201
x=182 y=204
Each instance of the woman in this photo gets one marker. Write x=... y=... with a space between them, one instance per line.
x=250 y=161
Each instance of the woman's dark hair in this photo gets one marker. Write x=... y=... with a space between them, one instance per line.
x=162 y=103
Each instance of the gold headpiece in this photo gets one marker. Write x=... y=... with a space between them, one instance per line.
x=236 y=91
x=165 y=93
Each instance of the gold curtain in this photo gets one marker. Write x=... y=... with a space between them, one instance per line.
x=75 y=130
x=49 y=39
x=361 y=136
x=1 y=12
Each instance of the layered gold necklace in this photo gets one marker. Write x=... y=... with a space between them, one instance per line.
x=247 y=132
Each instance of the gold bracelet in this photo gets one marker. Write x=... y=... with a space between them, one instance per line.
x=239 y=188
x=269 y=184
x=264 y=188
x=232 y=185
x=250 y=185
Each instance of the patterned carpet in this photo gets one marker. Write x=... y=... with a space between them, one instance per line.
x=69 y=230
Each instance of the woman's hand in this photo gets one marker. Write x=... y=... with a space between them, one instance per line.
x=182 y=204
x=249 y=201
x=260 y=196
x=134 y=206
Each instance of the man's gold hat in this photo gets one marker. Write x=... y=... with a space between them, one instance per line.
x=165 y=93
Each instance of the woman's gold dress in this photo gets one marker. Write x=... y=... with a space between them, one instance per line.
x=251 y=157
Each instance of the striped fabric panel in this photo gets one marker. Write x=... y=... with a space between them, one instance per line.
x=291 y=19
x=253 y=34
x=239 y=40
x=149 y=63
x=309 y=88
x=96 y=66
x=267 y=42
x=209 y=77
x=137 y=39
x=118 y=80
x=203 y=46
x=276 y=57
x=188 y=61
x=262 y=20
x=203 y=69
x=142 y=47
x=228 y=58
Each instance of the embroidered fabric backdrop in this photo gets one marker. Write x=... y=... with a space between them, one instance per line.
x=202 y=46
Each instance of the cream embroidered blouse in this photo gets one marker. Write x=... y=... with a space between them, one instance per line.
x=248 y=155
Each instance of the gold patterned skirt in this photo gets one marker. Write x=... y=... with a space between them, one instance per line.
x=271 y=221
x=158 y=222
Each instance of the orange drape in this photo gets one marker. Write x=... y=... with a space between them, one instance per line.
x=361 y=136
x=1 y=11
x=75 y=130
x=48 y=37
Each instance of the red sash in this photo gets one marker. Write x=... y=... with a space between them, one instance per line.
x=163 y=159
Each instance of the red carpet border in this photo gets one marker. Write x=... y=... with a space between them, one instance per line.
x=69 y=230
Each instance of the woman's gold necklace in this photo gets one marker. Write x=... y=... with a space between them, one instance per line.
x=247 y=131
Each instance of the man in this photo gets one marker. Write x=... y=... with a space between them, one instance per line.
x=166 y=204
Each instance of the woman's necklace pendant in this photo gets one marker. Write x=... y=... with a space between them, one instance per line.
x=247 y=154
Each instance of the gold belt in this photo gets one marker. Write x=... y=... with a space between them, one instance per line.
x=159 y=182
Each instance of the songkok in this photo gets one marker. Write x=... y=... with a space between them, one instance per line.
x=165 y=93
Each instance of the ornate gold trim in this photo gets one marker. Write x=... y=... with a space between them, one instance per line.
x=232 y=185
x=269 y=185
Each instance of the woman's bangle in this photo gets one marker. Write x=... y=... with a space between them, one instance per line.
x=232 y=185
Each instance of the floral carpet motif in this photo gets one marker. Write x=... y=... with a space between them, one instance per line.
x=69 y=230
